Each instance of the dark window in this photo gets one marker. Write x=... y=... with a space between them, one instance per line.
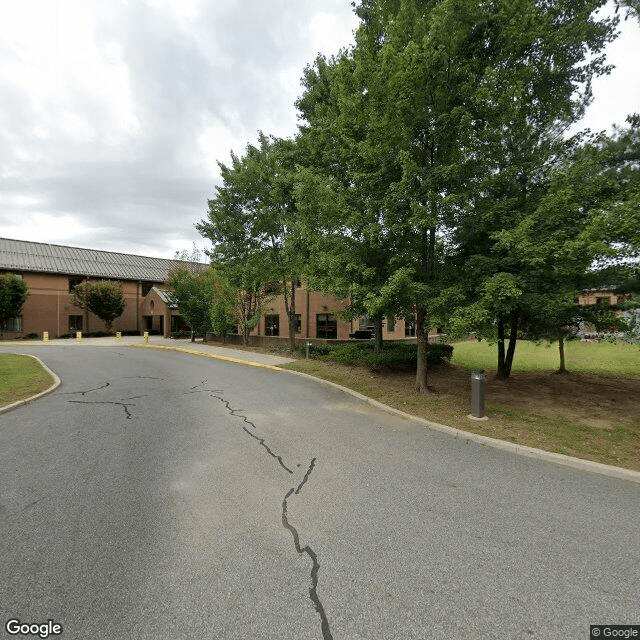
x=298 y=323
x=272 y=325
x=146 y=287
x=440 y=329
x=409 y=328
x=75 y=324
x=14 y=324
x=74 y=282
x=391 y=324
x=326 y=326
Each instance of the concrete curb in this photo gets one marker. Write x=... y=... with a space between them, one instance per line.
x=510 y=447
x=195 y=352
x=56 y=383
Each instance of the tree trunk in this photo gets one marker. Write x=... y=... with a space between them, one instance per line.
x=562 y=368
x=513 y=337
x=505 y=362
x=501 y=364
x=291 y=315
x=377 y=345
x=423 y=341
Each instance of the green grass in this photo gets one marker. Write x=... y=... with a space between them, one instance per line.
x=600 y=358
x=21 y=377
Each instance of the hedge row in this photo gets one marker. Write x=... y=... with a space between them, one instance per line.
x=396 y=355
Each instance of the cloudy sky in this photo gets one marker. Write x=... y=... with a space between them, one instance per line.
x=113 y=114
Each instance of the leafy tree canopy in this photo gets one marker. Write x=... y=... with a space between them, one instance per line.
x=13 y=294
x=104 y=298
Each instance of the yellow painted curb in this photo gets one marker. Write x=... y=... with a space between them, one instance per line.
x=195 y=352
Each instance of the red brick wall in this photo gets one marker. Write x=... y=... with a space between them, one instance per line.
x=49 y=306
x=309 y=305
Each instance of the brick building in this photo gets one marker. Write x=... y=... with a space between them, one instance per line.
x=317 y=317
x=53 y=271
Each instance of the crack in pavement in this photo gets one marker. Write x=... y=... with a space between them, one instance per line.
x=121 y=404
x=315 y=568
x=262 y=442
x=71 y=393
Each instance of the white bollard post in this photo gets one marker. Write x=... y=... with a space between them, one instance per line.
x=45 y=336
x=78 y=336
x=146 y=337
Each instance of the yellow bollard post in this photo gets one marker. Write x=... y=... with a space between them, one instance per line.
x=78 y=336
x=146 y=336
x=119 y=336
x=45 y=336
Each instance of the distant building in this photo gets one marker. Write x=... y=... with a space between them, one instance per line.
x=317 y=316
x=609 y=297
x=53 y=271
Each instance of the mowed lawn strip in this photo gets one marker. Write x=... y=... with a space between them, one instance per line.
x=21 y=377
x=593 y=413
x=599 y=358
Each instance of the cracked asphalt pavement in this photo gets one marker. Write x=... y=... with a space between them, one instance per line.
x=160 y=495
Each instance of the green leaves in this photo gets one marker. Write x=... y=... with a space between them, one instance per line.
x=194 y=295
x=13 y=294
x=104 y=298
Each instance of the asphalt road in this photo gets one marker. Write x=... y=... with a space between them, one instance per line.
x=161 y=495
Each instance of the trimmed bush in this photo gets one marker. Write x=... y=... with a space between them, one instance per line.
x=315 y=350
x=395 y=355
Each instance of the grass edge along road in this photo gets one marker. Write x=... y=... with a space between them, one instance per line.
x=574 y=414
x=21 y=377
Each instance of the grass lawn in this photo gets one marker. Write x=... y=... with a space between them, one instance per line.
x=21 y=377
x=591 y=412
x=599 y=358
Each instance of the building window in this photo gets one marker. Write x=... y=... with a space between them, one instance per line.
x=14 y=324
x=75 y=324
x=298 y=323
x=74 y=282
x=146 y=287
x=326 y=326
x=409 y=328
x=272 y=325
x=391 y=325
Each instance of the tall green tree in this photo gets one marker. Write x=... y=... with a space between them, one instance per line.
x=104 y=298
x=194 y=295
x=342 y=189
x=509 y=247
x=253 y=224
x=13 y=294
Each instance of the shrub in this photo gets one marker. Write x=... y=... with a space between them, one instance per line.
x=395 y=355
x=315 y=350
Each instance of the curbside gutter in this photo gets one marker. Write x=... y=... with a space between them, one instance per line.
x=56 y=383
x=214 y=356
x=458 y=434
x=510 y=447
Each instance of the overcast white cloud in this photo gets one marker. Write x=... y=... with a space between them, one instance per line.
x=113 y=114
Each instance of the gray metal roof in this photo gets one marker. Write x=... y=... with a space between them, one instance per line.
x=20 y=255
x=165 y=296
